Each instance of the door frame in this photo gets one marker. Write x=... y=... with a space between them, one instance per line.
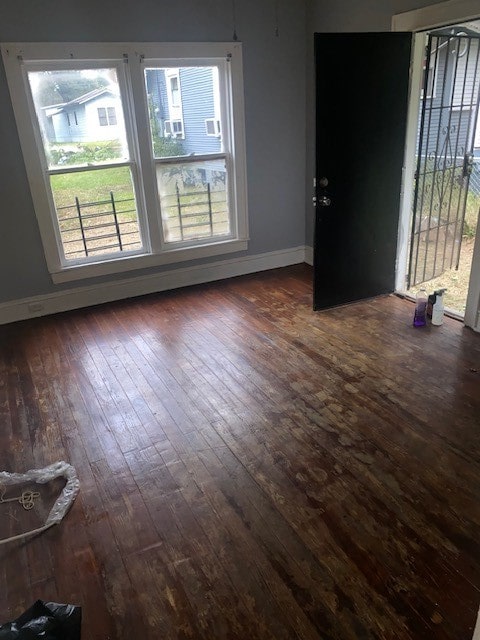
x=419 y=21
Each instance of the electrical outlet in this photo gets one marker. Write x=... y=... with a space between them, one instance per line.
x=35 y=307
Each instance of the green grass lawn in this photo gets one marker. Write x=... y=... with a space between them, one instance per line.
x=92 y=186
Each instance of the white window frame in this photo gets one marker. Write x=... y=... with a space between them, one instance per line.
x=175 y=93
x=134 y=57
x=169 y=128
x=216 y=127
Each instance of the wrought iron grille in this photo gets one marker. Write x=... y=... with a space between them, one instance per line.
x=444 y=152
x=92 y=228
x=201 y=213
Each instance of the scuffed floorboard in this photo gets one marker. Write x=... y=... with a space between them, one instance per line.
x=249 y=469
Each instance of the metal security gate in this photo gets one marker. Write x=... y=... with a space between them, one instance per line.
x=449 y=111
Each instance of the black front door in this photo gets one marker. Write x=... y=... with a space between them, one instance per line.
x=361 y=97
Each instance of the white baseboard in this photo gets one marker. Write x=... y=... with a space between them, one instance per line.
x=76 y=298
x=309 y=255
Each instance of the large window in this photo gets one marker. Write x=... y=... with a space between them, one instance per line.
x=141 y=179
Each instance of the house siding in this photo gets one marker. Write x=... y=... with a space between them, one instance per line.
x=157 y=92
x=61 y=130
x=196 y=85
x=457 y=120
x=197 y=104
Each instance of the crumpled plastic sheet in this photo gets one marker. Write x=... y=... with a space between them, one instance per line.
x=42 y=476
x=45 y=620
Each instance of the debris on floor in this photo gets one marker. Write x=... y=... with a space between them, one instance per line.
x=32 y=502
x=45 y=620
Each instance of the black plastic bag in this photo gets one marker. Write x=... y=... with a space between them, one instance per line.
x=45 y=620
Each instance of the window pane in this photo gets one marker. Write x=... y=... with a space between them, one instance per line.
x=80 y=116
x=96 y=212
x=112 y=116
x=193 y=198
x=102 y=117
x=180 y=101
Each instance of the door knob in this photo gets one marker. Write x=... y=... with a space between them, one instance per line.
x=324 y=201
x=323 y=198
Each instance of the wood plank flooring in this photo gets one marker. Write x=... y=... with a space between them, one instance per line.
x=250 y=469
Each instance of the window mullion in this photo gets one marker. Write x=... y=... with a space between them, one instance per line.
x=147 y=166
x=235 y=115
x=227 y=138
x=88 y=167
x=191 y=159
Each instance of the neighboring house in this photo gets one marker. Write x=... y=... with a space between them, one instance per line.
x=452 y=124
x=96 y=115
x=186 y=105
x=454 y=87
x=184 y=101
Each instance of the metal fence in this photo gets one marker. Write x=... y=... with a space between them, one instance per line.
x=103 y=226
x=200 y=213
x=111 y=225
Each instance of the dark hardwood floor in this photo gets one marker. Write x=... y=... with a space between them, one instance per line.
x=249 y=469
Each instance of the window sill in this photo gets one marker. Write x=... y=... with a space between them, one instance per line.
x=169 y=256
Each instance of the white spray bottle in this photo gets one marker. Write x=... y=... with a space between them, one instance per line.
x=438 y=308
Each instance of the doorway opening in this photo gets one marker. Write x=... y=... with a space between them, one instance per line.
x=445 y=189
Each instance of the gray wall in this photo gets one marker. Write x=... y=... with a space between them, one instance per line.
x=333 y=16
x=274 y=78
x=366 y=15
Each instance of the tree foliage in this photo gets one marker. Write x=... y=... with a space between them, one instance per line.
x=62 y=86
x=162 y=147
x=167 y=147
